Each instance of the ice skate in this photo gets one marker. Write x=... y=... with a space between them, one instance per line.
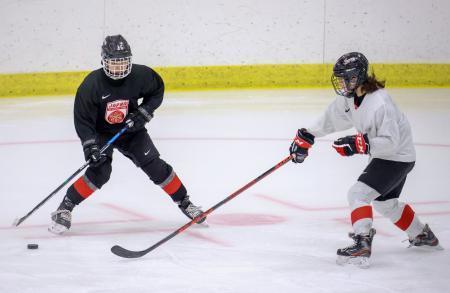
x=359 y=253
x=426 y=239
x=61 y=222
x=62 y=217
x=191 y=210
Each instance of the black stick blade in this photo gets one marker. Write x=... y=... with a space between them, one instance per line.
x=125 y=253
x=17 y=222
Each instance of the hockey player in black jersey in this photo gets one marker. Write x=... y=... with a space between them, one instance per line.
x=105 y=102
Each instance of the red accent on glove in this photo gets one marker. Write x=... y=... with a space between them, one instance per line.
x=340 y=150
x=360 y=143
x=300 y=142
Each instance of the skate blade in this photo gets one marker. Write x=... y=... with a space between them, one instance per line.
x=428 y=247
x=57 y=229
x=203 y=224
x=431 y=248
x=359 y=261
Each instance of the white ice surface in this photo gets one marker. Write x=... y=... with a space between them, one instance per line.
x=281 y=235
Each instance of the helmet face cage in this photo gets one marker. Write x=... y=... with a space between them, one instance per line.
x=344 y=86
x=349 y=72
x=117 y=68
x=116 y=57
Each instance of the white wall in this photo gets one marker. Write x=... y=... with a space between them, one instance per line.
x=63 y=35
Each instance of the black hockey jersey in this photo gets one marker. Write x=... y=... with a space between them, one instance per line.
x=102 y=104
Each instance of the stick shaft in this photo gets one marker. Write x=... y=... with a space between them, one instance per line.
x=122 y=252
x=104 y=148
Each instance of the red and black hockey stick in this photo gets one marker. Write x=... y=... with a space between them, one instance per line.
x=122 y=252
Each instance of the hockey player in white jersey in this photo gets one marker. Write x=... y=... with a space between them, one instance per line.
x=383 y=133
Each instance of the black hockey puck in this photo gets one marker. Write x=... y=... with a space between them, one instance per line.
x=32 y=246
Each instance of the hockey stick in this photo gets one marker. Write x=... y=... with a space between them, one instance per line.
x=122 y=252
x=18 y=221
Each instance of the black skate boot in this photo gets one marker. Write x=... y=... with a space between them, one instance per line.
x=62 y=217
x=358 y=253
x=190 y=210
x=425 y=238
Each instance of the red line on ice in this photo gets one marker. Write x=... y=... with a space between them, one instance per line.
x=332 y=208
x=346 y=222
x=128 y=231
x=127 y=211
x=10 y=143
x=77 y=223
x=297 y=206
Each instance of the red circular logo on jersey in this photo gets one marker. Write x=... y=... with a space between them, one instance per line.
x=116 y=111
x=116 y=117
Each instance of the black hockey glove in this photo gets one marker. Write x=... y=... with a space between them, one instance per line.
x=92 y=153
x=138 y=119
x=299 y=147
x=352 y=144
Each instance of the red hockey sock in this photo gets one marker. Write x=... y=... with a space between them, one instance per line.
x=84 y=187
x=173 y=187
x=406 y=218
x=364 y=212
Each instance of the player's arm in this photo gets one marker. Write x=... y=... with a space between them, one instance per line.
x=152 y=94
x=85 y=119
x=332 y=120
x=385 y=142
x=85 y=115
x=153 y=91
x=387 y=136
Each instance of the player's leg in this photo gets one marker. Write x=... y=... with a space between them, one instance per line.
x=388 y=178
x=94 y=178
x=359 y=197
x=141 y=150
x=404 y=217
x=162 y=174
x=378 y=178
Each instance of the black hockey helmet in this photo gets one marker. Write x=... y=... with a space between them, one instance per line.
x=116 y=57
x=349 y=72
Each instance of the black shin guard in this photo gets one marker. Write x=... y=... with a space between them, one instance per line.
x=93 y=179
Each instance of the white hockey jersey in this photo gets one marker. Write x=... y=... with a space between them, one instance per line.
x=387 y=128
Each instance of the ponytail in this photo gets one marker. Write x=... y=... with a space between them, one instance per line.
x=372 y=84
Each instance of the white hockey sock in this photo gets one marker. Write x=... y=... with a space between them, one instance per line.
x=359 y=198
x=401 y=214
